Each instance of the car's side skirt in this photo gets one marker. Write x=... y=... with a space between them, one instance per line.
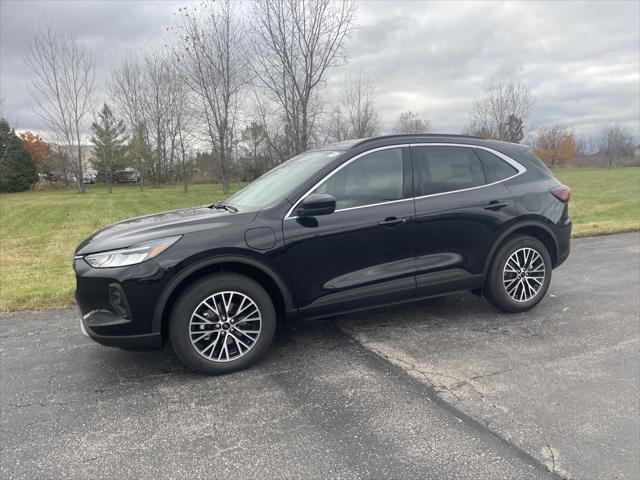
x=390 y=304
x=398 y=291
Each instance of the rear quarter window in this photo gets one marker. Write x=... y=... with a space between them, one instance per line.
x=528 y=158
x=495 y=169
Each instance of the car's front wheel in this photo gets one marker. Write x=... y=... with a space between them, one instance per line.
x=222 y=323
x=520 y=274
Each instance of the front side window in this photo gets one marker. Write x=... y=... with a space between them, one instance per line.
x=376 y=177
x=446 y=169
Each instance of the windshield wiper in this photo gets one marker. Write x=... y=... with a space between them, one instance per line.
x=223 y=206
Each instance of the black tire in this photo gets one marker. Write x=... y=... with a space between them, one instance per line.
x=495 y=291
x=179 y=323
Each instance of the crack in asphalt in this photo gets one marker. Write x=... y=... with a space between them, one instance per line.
x=553 y=458
x=432 y=391
x=46 y=329
x=47 y=403
x=553 y=465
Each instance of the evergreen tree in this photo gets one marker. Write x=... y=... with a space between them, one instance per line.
x=17 y=168
x=109 y=140
x=513 y=130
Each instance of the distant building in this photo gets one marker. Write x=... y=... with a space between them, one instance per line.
x=89 y=154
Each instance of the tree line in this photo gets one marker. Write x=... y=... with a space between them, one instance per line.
x=237 y=89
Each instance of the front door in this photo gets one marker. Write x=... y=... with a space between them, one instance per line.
x=363 y=254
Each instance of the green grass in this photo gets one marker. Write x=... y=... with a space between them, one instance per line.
x=603 y=201
x=40 y=230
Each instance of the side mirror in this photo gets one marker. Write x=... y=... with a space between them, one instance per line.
x=317 y=204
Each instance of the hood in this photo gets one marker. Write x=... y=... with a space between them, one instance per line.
x=166 y=224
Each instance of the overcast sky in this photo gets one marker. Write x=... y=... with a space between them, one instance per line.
x=581 y=59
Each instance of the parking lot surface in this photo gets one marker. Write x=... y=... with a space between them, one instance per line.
x=445 y=388
x=561 y=382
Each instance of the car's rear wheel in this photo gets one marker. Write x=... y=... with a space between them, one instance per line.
x=222 y=323
x=520 y=274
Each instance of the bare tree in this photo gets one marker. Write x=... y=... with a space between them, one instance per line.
x=211 y=50
x=359 y=104
x=274 y=125
x=59 y=160
x=616 y=143
x=181 y=124
x=153 y=97
x=410 y=122
x=356 y=116
x=500 y=100
x=254 y=149
x=139 y=151
x=337 y=126
x=126 y=87
x=296 y=41
x=156 y=107
x=62 y=86
x=556 y=145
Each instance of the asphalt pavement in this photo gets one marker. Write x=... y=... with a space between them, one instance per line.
x=445 y=388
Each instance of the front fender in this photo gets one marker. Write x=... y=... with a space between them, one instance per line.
x=180 y=277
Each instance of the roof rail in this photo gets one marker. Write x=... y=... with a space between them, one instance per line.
x=356 y=142
x=413 y=135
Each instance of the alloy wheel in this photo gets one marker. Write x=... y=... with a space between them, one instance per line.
x=523 y=274
x=225 y=326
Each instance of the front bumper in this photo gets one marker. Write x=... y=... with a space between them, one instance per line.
x=117 y=304
x=94 y=320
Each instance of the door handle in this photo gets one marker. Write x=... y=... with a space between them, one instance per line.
x=495 y=205
x=393 y=221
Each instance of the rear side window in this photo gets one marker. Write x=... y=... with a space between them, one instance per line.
x=446 y=169
x=495 y=169
x=373 y=178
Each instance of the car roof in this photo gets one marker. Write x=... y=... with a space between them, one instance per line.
x=387 y=140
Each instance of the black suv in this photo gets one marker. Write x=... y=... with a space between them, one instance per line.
x=351 y=226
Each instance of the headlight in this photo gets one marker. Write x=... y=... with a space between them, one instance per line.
x=132 y=255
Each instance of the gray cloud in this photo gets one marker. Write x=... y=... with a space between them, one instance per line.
x=582 y=59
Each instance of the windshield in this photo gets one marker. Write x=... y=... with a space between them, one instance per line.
x=277 y=183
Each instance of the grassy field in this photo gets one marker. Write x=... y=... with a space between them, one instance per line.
x=603 y=201
x=40 y=230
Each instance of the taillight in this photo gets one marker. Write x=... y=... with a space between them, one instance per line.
x=562 y=193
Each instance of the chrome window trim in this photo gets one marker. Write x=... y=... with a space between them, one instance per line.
x=336 y=170
x=518 y=166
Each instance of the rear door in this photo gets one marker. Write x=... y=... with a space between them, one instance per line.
x=363 y=254
x=461 y=206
